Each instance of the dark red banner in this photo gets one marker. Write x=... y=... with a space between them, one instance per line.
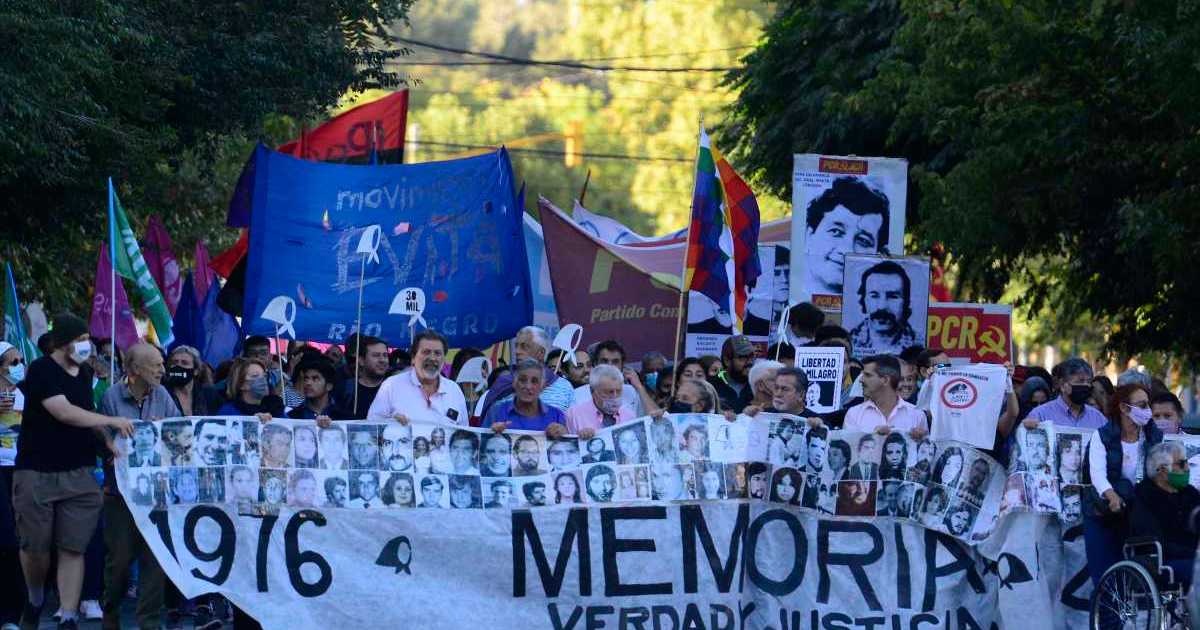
x=349 y=135
x=601 y=291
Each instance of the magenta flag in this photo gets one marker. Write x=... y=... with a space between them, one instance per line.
x=100 y=326
x=156 y=249
x=202 y=274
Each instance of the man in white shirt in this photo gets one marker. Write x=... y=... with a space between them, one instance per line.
x=421 y=392
x=884 y=411
x=633 y=393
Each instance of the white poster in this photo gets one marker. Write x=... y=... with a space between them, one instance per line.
x=966 y=403
x=842 y=205
x=886 y=305
x=824 y=367
x=710 y=324
x=370 y=525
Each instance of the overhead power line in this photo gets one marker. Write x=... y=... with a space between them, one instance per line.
x=561 y=63
x=551 y=152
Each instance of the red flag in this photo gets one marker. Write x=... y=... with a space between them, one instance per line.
x=224 y=263
x=202 y=275
x=350 y=134
x=156 y=248
x=100 y=326
x=601 y=291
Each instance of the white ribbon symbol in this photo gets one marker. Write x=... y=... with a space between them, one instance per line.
x=410 y=301
x=568 y=339
x=368 y=243
x=282 y=311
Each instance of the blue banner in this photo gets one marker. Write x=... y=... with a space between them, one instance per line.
x=445 y=234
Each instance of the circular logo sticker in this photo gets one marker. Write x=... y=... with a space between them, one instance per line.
x=959 y=393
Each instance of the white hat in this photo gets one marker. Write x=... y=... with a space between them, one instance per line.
x=5 y=347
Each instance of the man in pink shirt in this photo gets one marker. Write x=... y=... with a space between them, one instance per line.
x=884 y=411
x=603 y=408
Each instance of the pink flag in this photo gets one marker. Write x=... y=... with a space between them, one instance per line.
x=100 y=326
x=161 y=260
x=202 y=275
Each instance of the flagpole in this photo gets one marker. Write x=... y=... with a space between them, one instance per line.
x=112 y=286
x=687 y=243
x=362 y=272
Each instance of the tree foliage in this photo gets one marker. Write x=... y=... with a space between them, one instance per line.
x=166 y=97
x=1050 y=142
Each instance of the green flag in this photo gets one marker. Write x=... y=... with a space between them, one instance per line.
x=130 y=264
x=14 y=328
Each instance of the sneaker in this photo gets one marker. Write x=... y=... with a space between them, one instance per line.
x=57 y=614
x=31 y=616
x=10 y=626
x=90 y=609
x=174 y=620
x=204 y=619
x=69 y=624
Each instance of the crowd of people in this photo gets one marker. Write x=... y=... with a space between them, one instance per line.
x=64 y=523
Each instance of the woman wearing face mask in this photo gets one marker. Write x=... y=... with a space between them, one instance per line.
x=12 y=402
x=248 y=392
x=181 y=382
x=1163 y=505
x=1115 y=456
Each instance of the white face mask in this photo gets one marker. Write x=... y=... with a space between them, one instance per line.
x=16 y=373
x=81 y=351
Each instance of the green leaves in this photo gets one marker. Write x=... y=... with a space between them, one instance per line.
x=1036 y=131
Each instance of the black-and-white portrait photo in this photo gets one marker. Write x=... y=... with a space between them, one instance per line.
x=1032 y=452
x=630 y=444
x=144 y=451
x=272 y=487
x=787 y=486
x=894 y=462
x=736 y=483
x=304 y=446
x=432 y=489
x=364 y=489
x=395 y=447
x=399 y=491
x=334 y=486
x=143 y=488
x=528 y=456
x=497 y=456
x=276 y=446
x=599 y=449
x=664 y=441
x=185 y=485
x=566 y=488
x=563 y=454
x=787 y=444
x=242 y=484
x=534 y=492
x=465 y=491
x=710 y=481
x=333 y=452
x=1070 y=458
x=244 y=442
x=211 y=482
x=600 y=481
x=886 y=303
x=211 y=442
x=464 y=452
x=673 y=482
x=633 y=483
x=499 y=493
x=865 y=465
x=302 y=488
x=176 y=443
x=364 y=446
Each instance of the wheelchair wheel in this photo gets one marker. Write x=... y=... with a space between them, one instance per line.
x=1126 y=599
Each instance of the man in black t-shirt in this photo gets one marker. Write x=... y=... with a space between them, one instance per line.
x=55 y=498
x=372 y=369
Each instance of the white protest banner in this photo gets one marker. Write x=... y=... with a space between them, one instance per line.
x=842 y=205
x=368 y=524
x=966 y=403
x=824 y=367
x=886 y=303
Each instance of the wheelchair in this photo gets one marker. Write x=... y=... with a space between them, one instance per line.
x=1139 y=592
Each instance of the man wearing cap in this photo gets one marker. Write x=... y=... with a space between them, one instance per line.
x=316 y=379
x=733 y=383
x=55 y=497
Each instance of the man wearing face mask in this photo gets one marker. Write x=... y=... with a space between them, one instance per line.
x=603 y=409
x=55 y=496
x=1070 y=408
x=140 y=396
x=1164 y=508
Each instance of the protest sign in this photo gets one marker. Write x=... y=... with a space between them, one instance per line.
x=966 y=403
x=971 y=333
x=886 y=301
x=824 y=367
x=685 y=521
x=842 y=205
x=709 y=323
x=452 y=229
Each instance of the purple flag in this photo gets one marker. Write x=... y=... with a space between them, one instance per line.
x=161 y=260
x=100 y=326
x=202 y=274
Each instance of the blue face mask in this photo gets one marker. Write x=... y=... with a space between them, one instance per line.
x=652 y=380
x=16 y=373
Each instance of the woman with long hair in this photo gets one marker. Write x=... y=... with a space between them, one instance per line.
x=1114 y=459
x=566 y=489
